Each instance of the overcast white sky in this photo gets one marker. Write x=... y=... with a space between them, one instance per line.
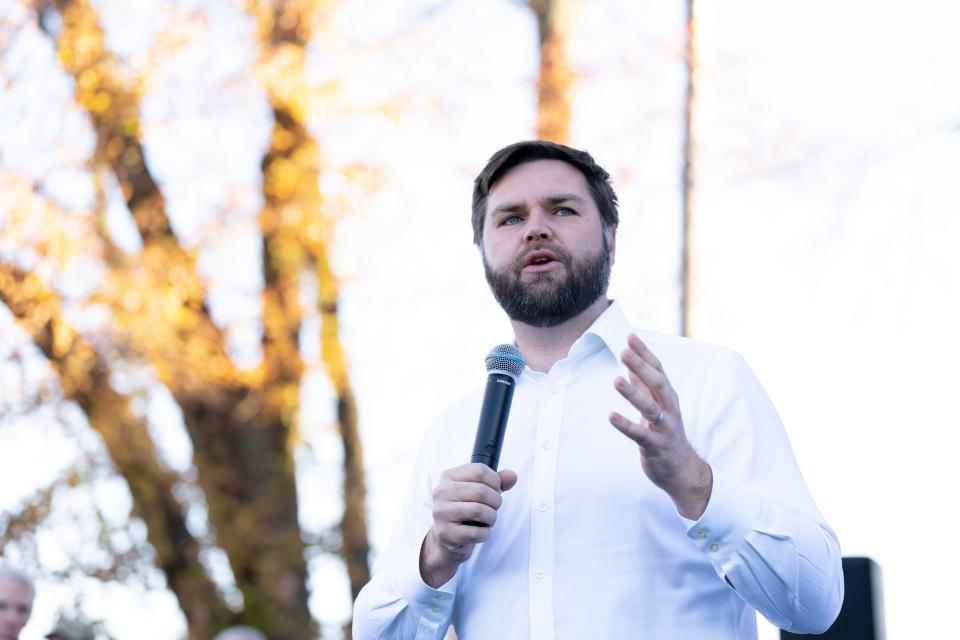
x=825 y=231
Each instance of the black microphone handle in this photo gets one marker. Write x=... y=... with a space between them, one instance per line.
x=493 y=419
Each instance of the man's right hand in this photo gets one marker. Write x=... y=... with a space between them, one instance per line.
x=466 y=494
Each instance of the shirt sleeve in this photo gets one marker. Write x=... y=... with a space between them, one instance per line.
x=762 y=530
x=396 y=603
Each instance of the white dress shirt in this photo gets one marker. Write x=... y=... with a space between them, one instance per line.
x=585 y=546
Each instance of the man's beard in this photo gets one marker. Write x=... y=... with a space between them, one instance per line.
x=548 y=300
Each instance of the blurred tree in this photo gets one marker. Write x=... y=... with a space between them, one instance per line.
x=556 y=77
x=689 y=154
x=242 y=422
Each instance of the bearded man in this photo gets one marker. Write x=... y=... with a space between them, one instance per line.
x=648 y=489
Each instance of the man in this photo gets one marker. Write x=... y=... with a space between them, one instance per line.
x=648 y=489
x=16 y=602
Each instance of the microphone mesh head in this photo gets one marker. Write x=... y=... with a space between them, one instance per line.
x=505 y=358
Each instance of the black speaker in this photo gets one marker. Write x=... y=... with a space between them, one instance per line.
x=861 y=616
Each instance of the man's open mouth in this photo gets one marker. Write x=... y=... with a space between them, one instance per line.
x=539 y=258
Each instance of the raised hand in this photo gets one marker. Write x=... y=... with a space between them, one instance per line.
x=666 y=455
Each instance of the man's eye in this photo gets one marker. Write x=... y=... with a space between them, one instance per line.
x=510 y=220
x=564 y=211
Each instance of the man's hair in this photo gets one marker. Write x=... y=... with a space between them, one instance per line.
x=18 y=576
x=598 y=180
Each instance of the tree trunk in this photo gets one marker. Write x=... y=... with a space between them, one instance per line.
x=242 y=424
x=291 y=195
x=239 y=424
x=84 y=379
x=688 y=178
x=556 y=77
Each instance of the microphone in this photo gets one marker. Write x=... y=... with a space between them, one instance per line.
x=504 y=364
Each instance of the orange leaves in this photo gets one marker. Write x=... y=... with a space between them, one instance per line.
x=59 y=239
x=101 y=89
x=555 y=87
x=286 y=253
x=280 y=72
x=158 y=303
x=96 y=103
x=282 y=178
x=290 y=169
x=282 y=140
x=37 y=310
x=83 y=36
x=63 y=340
x=288 y=21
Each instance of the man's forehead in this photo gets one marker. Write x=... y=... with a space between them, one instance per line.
x=537 y=180
x=10 y=588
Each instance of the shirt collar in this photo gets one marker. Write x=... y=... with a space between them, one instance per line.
x=609 y=330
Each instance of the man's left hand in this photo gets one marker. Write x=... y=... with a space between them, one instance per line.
x=667 y=458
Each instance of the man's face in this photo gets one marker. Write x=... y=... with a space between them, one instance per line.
x=545 y=253
x=16 y=602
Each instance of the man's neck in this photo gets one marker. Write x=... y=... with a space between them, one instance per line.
x=542 y=347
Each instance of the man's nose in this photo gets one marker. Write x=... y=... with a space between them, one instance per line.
x=538 y=227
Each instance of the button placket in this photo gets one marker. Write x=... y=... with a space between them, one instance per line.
x=542 y=538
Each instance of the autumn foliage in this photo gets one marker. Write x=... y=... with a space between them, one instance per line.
x=242 y=422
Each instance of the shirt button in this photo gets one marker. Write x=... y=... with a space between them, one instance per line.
x=542 y=506
x=702 y=534
x=554 y=389
x=441 y=597
x=547 y=444
x=714 y=547
x=435 y=608
x=541 y=574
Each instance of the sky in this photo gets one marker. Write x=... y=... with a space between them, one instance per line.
x=823 y=235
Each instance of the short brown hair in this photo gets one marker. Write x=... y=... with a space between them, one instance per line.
x=598 y=180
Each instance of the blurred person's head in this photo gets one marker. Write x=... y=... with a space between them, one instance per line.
x=67 y=629
x=16 y=602
x=240 y=633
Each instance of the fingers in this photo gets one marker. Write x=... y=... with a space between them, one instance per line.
x=641 y=434
x=468 y=496
x=508 y=479
x=465 y=503
x=474 y=472
x=645 y=369
x=653 y=392
x=638 y=347
x=472 y=492
x=640 y=397
x=650 y=392
x=462 y=512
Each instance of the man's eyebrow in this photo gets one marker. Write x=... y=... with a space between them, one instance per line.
x=552 y=200
x=561 y=198
x=509 y=207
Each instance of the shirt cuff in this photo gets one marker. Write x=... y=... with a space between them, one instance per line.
x=724 y=525
x=432 y=605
